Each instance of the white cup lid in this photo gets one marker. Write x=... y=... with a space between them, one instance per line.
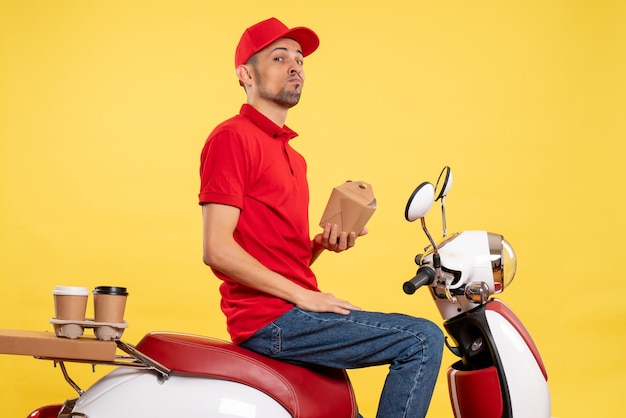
x=70 y=291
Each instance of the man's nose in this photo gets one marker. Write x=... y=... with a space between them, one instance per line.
x=294 y=66
x=295 y=69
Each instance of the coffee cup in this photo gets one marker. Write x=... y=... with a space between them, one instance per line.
x=70 y=302
x=109 y=303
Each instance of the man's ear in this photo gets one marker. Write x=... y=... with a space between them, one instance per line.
x=244 y=74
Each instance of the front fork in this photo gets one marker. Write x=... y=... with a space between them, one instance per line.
x=477 y=383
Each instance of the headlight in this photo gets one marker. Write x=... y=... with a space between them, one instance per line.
x=503 y=261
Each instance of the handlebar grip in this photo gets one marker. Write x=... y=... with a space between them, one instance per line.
x=425 y=275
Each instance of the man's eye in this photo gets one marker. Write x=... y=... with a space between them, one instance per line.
x=278 y=59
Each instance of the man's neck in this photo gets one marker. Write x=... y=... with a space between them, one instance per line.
x=272 y=111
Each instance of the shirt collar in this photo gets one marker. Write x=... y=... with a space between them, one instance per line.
x=266 y=124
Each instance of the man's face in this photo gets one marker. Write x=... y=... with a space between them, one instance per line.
x=278 y=73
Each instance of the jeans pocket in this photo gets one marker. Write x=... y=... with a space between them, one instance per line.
x=275 y=339
x=266 y=341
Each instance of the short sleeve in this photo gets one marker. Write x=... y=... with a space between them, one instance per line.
x=223 y=169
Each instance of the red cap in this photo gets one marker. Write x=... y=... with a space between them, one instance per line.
x=257 y=37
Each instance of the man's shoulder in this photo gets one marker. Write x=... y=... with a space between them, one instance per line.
x=236 y=126
x=234 y=122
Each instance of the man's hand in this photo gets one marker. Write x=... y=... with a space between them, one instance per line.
x=313 y=301
x=334 y=240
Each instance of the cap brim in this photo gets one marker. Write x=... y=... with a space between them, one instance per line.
x=307 y=39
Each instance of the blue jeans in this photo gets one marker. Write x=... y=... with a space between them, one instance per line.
x=411 y=346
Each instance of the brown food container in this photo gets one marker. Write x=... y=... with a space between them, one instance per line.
x=350 y=206
x=48 y=345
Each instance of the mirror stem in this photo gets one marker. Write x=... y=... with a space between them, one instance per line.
x=432 y=242
x=443 y=217
x=436 y=258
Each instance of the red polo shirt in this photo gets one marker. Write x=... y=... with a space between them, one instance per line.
x=247 y=162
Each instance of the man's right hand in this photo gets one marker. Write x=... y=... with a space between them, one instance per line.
x=324 y=302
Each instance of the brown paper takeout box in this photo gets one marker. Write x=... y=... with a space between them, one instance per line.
x=350 y=206
x=48 y=345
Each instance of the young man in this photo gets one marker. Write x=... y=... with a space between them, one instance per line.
x=254 y=198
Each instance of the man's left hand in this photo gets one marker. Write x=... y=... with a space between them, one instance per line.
x=334 y=240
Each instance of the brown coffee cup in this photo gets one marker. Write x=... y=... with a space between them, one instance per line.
x=109 y=303
x=70 y=302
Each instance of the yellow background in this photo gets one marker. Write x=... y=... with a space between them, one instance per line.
x=104 y=107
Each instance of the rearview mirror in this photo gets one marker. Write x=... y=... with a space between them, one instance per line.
x=420 y=202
